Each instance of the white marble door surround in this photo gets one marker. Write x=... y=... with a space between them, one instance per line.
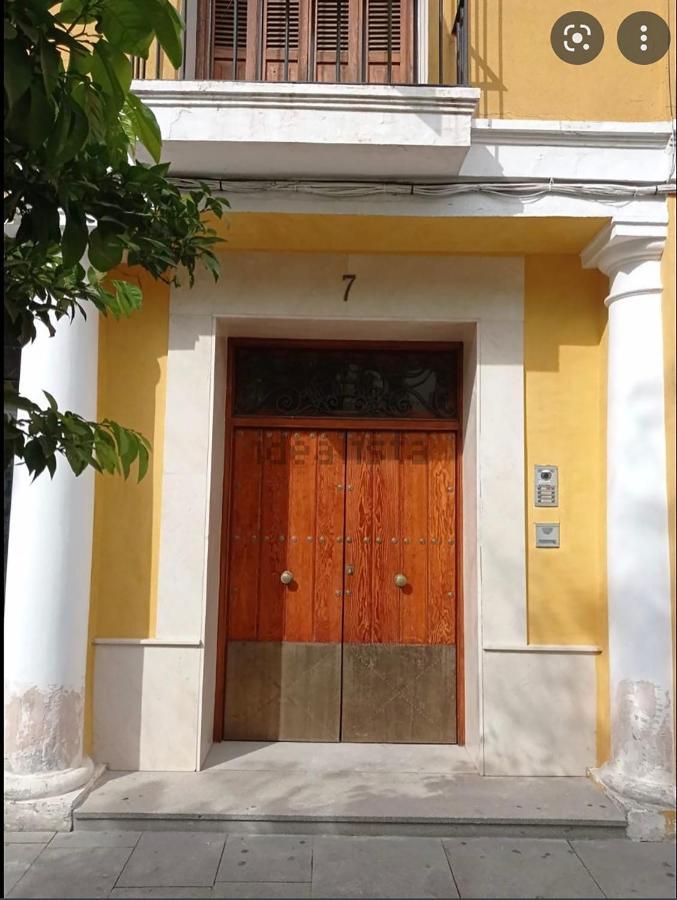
x=528 y=708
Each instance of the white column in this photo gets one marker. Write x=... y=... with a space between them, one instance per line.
x=47 y=597
x=641 y=769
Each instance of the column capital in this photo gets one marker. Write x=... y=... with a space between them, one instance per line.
x=623 y=242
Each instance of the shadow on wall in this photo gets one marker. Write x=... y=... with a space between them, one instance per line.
x=487 y=27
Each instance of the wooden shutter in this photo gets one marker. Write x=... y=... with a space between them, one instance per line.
x=229 y=28
x=285 y=33
x=389 y=41
x=336 y=40
x=349 y=41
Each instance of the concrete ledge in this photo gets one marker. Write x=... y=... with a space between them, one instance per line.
x=323 y=131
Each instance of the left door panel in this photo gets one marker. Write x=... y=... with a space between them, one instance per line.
x=283 y=657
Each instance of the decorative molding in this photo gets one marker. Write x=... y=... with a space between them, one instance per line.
x=555 y=133
x=621 y=243
x=326 y=97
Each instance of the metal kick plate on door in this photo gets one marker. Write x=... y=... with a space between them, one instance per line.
x=547 y=534
x=546 y=486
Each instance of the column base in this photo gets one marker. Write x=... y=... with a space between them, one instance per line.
x=51 y=813
x=648 y=805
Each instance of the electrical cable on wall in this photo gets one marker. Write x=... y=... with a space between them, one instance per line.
x=519 y=190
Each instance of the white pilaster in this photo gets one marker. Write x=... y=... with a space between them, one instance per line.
x=641 y=770
x=47 y=598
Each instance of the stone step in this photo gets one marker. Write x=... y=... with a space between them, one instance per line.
x=302 y=789
x=364 y=826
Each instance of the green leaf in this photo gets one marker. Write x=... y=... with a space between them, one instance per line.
x=211 y=263
x=52 y=402
x=128 y=296
x=57 y=139
x=78 y=134
x=50 y=462
x=143 y=461
x=18 y=71
x=104 y=74
x=105 y=454
x=80 y=60
x=72 y=11
x=74 y=240
x=145 y=125
x=34 y=457
x=77 y=459
x=90 y=102
x=119 y=65
x=49 y=63
x=168 y=27
x=105 y=250
x=32 y=125
x=125 y=25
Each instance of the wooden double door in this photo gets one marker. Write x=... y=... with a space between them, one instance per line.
x=341 y=588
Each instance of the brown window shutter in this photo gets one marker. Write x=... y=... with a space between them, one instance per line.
x=348 y=41
x=337 y=40
x=389 y=41
x=285 y=40
x=229 y=27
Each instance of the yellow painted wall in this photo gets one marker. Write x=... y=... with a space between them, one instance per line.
x=565 y=369
x=513 y=63
x=131 y=390
x=565 y=411
x=468 y=235
x=669 y=264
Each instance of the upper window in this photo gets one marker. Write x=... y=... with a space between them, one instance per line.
x=350 y=41
x=350 y=383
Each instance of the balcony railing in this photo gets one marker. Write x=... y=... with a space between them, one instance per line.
x=329 y=41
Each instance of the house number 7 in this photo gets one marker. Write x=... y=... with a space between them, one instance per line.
x=350 y=280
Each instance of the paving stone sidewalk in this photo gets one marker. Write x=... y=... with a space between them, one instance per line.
x=177 y=864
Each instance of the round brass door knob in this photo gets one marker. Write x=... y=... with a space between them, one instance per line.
x=287 y=577
x=401 y=581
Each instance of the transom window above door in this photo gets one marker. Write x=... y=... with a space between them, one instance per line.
x=373 y=383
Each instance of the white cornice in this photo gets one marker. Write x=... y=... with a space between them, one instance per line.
x=325 y=97
x=555 y=133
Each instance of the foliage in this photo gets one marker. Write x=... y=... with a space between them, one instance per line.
x=105 y=446
x=77 y=191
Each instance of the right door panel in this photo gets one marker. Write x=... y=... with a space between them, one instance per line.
x=399 y=653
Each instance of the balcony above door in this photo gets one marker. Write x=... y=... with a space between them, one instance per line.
x=314 y=89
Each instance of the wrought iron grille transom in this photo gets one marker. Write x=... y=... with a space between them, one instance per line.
x=351 y=383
